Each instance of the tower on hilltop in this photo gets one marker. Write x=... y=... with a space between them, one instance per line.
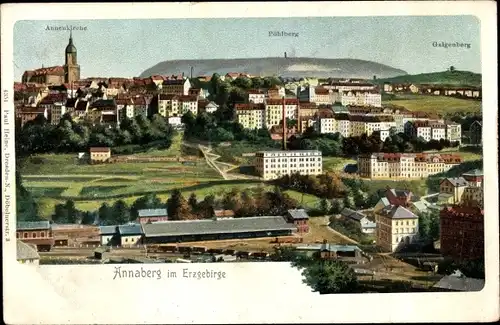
x=71 y=67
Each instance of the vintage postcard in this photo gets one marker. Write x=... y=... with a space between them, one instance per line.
x=250 y=163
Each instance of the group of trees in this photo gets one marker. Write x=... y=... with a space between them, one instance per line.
x=428 y=224
x=336 y=145
x=323 y=276
x=26 y=207
x=40 y=136
x=246 y=203
x=227 y=92
x=350 y=228
x=210 y=127
x=335 y=193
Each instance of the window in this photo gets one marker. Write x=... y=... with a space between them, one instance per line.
x=34 y=235
x=17 y=235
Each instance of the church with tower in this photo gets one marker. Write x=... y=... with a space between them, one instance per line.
x=57 y=75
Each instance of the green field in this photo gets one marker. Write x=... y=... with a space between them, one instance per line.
x=443 y=77
x=466 y=155
x=233 y=154
x=216 y=188
x=175 y=149
x=336 y=164
x=54 y=178
x=437 y=104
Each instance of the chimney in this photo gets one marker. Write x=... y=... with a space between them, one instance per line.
x=285 y=55
x=192 y=72
x=284 y=125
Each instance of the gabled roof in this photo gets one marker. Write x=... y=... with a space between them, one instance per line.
x=460 y=283
x=398 y=212
x=474 y=172
x=130 y=229
x=100 y=149
x=456 y=181
x=152 y=212
x=298 y=214
x=346 y=212
x=357 y=216
x=32 y=225
x=26 y=251
x=108 y=230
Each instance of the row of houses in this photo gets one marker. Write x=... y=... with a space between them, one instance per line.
x=434 y=89
x=154 y=227
x=405 y=166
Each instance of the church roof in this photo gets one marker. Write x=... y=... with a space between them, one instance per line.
x=70 y=48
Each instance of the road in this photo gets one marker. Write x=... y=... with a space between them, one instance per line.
x=221 y=167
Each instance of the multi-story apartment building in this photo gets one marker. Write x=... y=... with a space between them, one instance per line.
x=125 y=107
x=274 y=110
x=349 y=85
x=276 y=92
x=454 y=132
x=428 y=130
x=360 y=98
x=308 y=109
x=188 y=103
x=176 y=87
x=462 y=232
x=368 y=124
x=390 y=165
x=168 y=105
x=318 y=95
x=451 y=190
x=343 y=124
x=55 y=105
x=103 y=111
x=251 y=116
x=141 y=105
x=275 y=164
x=24 y=114
x=256 y=96
x=397 y=227
x=476 y=133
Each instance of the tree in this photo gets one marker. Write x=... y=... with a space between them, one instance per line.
x=452 y=69
x=88 y=218
x=330 y=276
x=193 y=201
x=26 y=207
x=324 y=206
x=349 y=201
x=120 y=212
x=178 y=207
x=148 y=201
x=337 y=206
x=105 y=214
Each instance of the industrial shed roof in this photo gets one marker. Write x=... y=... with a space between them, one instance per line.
x=219 y=226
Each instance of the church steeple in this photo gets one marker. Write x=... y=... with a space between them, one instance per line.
x=70 y=48
x=71 y=67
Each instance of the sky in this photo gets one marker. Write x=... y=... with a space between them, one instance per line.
x=125 y=48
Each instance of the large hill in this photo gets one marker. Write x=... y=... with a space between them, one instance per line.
x=446 y=78
x=286 y=67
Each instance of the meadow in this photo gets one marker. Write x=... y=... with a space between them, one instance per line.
x=442 y=105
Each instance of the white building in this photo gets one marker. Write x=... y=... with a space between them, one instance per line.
x=107 y=234
x=275 y=164
x=256 y=96
x=360 y=98
x=211 y=107
x=397 y=227
x=251 y=116
x=188 y=103
x=274 y=111
x=174 y=121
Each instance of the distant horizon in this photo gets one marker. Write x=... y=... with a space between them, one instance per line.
x=127 y=47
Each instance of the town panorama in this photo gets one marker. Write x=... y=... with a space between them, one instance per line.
x=380 y=178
